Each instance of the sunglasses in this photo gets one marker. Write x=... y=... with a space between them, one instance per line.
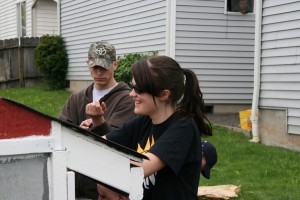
x=136 y=89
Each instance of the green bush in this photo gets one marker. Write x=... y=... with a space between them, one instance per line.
x=52 y=60
x=123 y=72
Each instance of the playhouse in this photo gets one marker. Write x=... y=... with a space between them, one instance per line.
x=39 y=155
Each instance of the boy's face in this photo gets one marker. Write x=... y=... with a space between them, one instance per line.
x=243 y=4
x=103 y=78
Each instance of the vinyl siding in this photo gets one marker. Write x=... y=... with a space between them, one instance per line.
x=131 y=25
x=45 y=18
x=8 y=19
x=218 y=47
x=28 y=18
x=280 y=61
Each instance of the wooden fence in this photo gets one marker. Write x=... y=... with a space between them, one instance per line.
x=17 y=67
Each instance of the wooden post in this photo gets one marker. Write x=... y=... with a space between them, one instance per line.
x=21 y=63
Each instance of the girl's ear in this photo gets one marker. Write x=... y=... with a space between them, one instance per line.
x=165 y=95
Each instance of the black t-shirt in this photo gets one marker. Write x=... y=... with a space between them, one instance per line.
x=177 y=142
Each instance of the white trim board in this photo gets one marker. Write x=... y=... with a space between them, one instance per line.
x=32 y=144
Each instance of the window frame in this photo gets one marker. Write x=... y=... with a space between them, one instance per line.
x=238 y=13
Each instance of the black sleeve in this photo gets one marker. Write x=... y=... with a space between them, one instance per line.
x=127 y=135
x=101 y=130
x=174 y=145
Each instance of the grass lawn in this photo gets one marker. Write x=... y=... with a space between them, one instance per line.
x=39 y=98
x=262 y=172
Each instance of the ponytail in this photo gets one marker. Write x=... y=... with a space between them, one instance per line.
x=192 y=103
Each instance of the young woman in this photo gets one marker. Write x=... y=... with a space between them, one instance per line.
x=168 y=128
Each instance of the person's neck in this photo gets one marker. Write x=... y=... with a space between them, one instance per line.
x=106 y=86
x=162 y=116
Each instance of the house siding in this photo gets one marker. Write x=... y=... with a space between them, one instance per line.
x=131 y=25
x=218 y=47
x=45 y=18
x=280 y=70
x=8 y=20
x=28 y=18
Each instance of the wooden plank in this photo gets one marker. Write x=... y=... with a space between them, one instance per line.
x=58 y=177
x=28 y=145
x=100 y=161
x=71 y=185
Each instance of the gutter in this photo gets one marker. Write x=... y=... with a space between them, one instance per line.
x=257 y=67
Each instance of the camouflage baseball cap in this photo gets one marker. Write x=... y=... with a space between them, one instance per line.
x=101 y=54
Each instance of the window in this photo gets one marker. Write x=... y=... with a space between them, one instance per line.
x=239 y=6
x=21 y=18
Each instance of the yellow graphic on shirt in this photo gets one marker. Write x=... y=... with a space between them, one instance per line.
x=149 y=144
x=150 y=180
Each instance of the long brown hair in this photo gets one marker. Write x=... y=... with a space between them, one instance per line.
x=158 y=73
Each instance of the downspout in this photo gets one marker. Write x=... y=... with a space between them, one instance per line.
x=170 y=28
x=257 y=63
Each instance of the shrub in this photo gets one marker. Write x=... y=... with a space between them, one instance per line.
x=51 y=59
x=123 y=72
